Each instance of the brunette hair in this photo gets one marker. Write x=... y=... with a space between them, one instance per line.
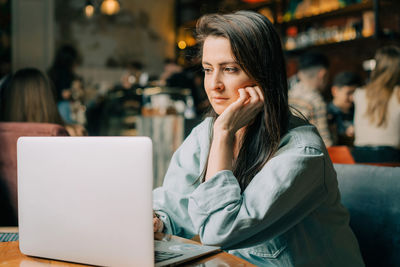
x=257 y=49
x=29 y=98
x=384 y=78
x=312 y=60
x=346 y=78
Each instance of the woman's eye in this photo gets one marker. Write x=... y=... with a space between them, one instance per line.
x=231 y=69
x=207 y=70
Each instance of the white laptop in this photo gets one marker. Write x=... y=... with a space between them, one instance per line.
x=89 y=200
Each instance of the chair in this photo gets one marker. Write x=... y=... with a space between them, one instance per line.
x=340 y=154
x=9 y=134
x=371 y=194
x=376 y=155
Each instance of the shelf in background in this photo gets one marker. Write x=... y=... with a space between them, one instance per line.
x=348 y=10
x=329 y=45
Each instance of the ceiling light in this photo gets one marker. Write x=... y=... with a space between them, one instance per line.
x=110 y=7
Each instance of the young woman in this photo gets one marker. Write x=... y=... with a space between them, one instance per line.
x=254 y=179
x=377 y=111
x=29 y=98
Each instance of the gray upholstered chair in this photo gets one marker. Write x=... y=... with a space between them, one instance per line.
x=372 y=196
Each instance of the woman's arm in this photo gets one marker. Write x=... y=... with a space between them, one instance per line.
x=236 y=116
x=289 y=187
x=171 y=199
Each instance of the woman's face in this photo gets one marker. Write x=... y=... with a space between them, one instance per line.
x=222 y=75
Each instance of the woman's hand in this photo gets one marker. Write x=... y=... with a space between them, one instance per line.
x=241 y=112
x=158 y=225
x=237 y=115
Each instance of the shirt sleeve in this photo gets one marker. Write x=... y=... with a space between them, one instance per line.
x=288 y=188
x=171 y=200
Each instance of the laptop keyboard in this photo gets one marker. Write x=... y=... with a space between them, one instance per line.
x=7 y=237
x=163 y=255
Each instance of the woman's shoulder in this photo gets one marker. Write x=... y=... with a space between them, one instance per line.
x=302 y=134
x=200 y=133
x=203 y=126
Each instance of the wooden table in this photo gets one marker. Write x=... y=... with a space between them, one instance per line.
x=11 y=256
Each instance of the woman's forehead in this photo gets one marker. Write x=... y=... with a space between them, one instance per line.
x=217 y=49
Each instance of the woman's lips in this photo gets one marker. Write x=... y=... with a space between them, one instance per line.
x=220 y=100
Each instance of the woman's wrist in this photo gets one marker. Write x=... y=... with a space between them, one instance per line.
x=222 y=134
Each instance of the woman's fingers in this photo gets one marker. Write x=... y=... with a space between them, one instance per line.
x=243 y=110
x=243 y=95
x=241 y=101
x=250 y=98
x=254 y=97
x=157 y=225
x=260 y=93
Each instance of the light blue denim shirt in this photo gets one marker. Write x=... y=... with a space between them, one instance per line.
x=289 y=215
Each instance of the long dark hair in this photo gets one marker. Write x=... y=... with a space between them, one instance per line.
x=29 y=98
x=256 y=47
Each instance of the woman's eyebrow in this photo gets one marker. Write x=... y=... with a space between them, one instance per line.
x=222 y=63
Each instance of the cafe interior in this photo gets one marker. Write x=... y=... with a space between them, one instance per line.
x=132 y=68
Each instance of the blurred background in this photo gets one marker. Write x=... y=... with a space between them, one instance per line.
x=110 y=36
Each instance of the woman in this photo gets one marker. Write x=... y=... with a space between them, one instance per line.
x=29 y=98
x=254 y=179
x=62 y=72
x=377 y=111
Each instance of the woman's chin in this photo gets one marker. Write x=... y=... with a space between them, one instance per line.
x=218 y=110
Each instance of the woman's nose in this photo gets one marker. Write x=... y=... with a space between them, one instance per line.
x=216 y=82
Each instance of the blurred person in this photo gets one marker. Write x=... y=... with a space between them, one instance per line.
x=341 y=108
x=191 y=78
x=252 y=178
x=292 y=81
x=134 y=75
x=306 y=95
x=170 y=68
x=62 y=72
x=66 y=84
x=30 y=98
x=377 y=111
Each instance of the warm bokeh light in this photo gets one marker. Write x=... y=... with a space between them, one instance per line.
x=182 y=44
x=89 y=11
x=190 y=41
x=110 y=7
